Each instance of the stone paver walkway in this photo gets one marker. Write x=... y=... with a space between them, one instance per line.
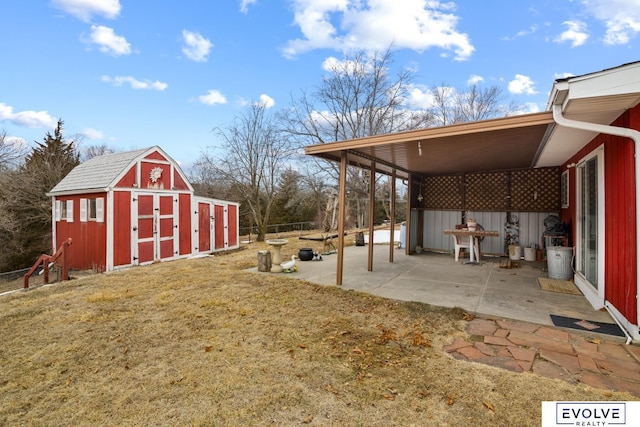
x=592 y=359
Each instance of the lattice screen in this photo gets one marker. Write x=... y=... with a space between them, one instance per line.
x=535 y=189
x=520 y=190
x=487 y=191
x=443 y=192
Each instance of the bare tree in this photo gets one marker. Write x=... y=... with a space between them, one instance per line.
x=12 y=151
x=91 y=151
x=444 y=101
x=358 y=97
x=254 y=154
x=475 y=103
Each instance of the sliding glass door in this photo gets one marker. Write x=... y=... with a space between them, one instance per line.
x=590 y=227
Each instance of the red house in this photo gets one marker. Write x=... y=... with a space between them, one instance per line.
x=596 y=140
x=134 y=208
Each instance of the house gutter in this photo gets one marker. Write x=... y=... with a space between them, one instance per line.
x=634 y=135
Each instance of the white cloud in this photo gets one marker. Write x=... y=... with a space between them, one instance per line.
x=85 y=9
x=213 y=97
x=196 y=47
x=474 y=79
x=576 y=33
x=135 y=83
x=266 y=101
x=244 y=5
x=93 y=133
x=108 y=41
x=423 y=98
x=331 y=64
x=526 y=108
x=377 y=24
x=522 y=84
x=621 y=17
x=30 y=118
x=420 y=96
x=562 y=75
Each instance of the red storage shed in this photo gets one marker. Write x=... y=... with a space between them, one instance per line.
x=136 y=207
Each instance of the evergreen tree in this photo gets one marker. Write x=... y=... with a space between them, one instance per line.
x=23 y=197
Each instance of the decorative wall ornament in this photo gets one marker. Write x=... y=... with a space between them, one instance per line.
x=155 y=174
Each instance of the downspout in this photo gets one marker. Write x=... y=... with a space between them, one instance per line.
x=634 y=135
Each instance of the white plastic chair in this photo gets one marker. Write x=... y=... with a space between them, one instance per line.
x=460 y=242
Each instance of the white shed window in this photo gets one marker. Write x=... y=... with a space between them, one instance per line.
x=99 y=209
x=69 y=211
x=58 y=208
x=83 y=210
x=92 y=209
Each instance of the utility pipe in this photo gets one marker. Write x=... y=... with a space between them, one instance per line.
x=634 y=135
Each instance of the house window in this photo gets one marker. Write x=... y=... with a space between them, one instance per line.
x=564 y=189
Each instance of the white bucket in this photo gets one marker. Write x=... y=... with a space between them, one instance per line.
x=559 y=260
x=515 y=252
x=529 y=254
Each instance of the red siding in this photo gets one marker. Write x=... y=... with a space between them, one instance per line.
x=155 y=155
x=88 y=250
x=184 y=208
x=129 y=179
x=620 y=212
x=178 y=182
x=162 y=182
x=121 y=228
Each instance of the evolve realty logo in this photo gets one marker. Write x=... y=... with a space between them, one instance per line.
x=590 y=414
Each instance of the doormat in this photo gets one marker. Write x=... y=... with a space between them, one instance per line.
x=587 y=325
x=558 y=285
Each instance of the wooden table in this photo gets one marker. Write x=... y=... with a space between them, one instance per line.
x=472 y=236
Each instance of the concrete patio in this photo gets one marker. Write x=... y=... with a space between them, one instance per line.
x=432 y=278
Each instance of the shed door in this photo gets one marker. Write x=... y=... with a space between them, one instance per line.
x=204 y=227
x=167 y=227
x=219 y=216
x=232 y=225
x=146 y=229
x=156 y=231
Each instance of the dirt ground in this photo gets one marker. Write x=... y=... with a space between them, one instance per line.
x=203 y=342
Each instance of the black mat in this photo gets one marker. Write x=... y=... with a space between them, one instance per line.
x=587 y=325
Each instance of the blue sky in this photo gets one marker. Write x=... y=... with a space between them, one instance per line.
x=132 y=74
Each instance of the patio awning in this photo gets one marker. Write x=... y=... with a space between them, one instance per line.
x=521 y=141
x=489 y=145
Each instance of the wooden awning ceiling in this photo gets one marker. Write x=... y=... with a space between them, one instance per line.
x=491 y=145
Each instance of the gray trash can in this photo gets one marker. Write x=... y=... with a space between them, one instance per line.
x=560 y=262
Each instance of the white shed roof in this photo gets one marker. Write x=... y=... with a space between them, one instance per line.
x=99 y=173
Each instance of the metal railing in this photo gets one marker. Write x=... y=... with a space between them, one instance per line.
x=12 y=275
x=280 y=228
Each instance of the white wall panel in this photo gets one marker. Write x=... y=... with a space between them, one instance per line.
x=434 y=224
x=530 y=229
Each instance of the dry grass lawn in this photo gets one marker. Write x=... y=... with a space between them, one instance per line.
x=203 y=342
